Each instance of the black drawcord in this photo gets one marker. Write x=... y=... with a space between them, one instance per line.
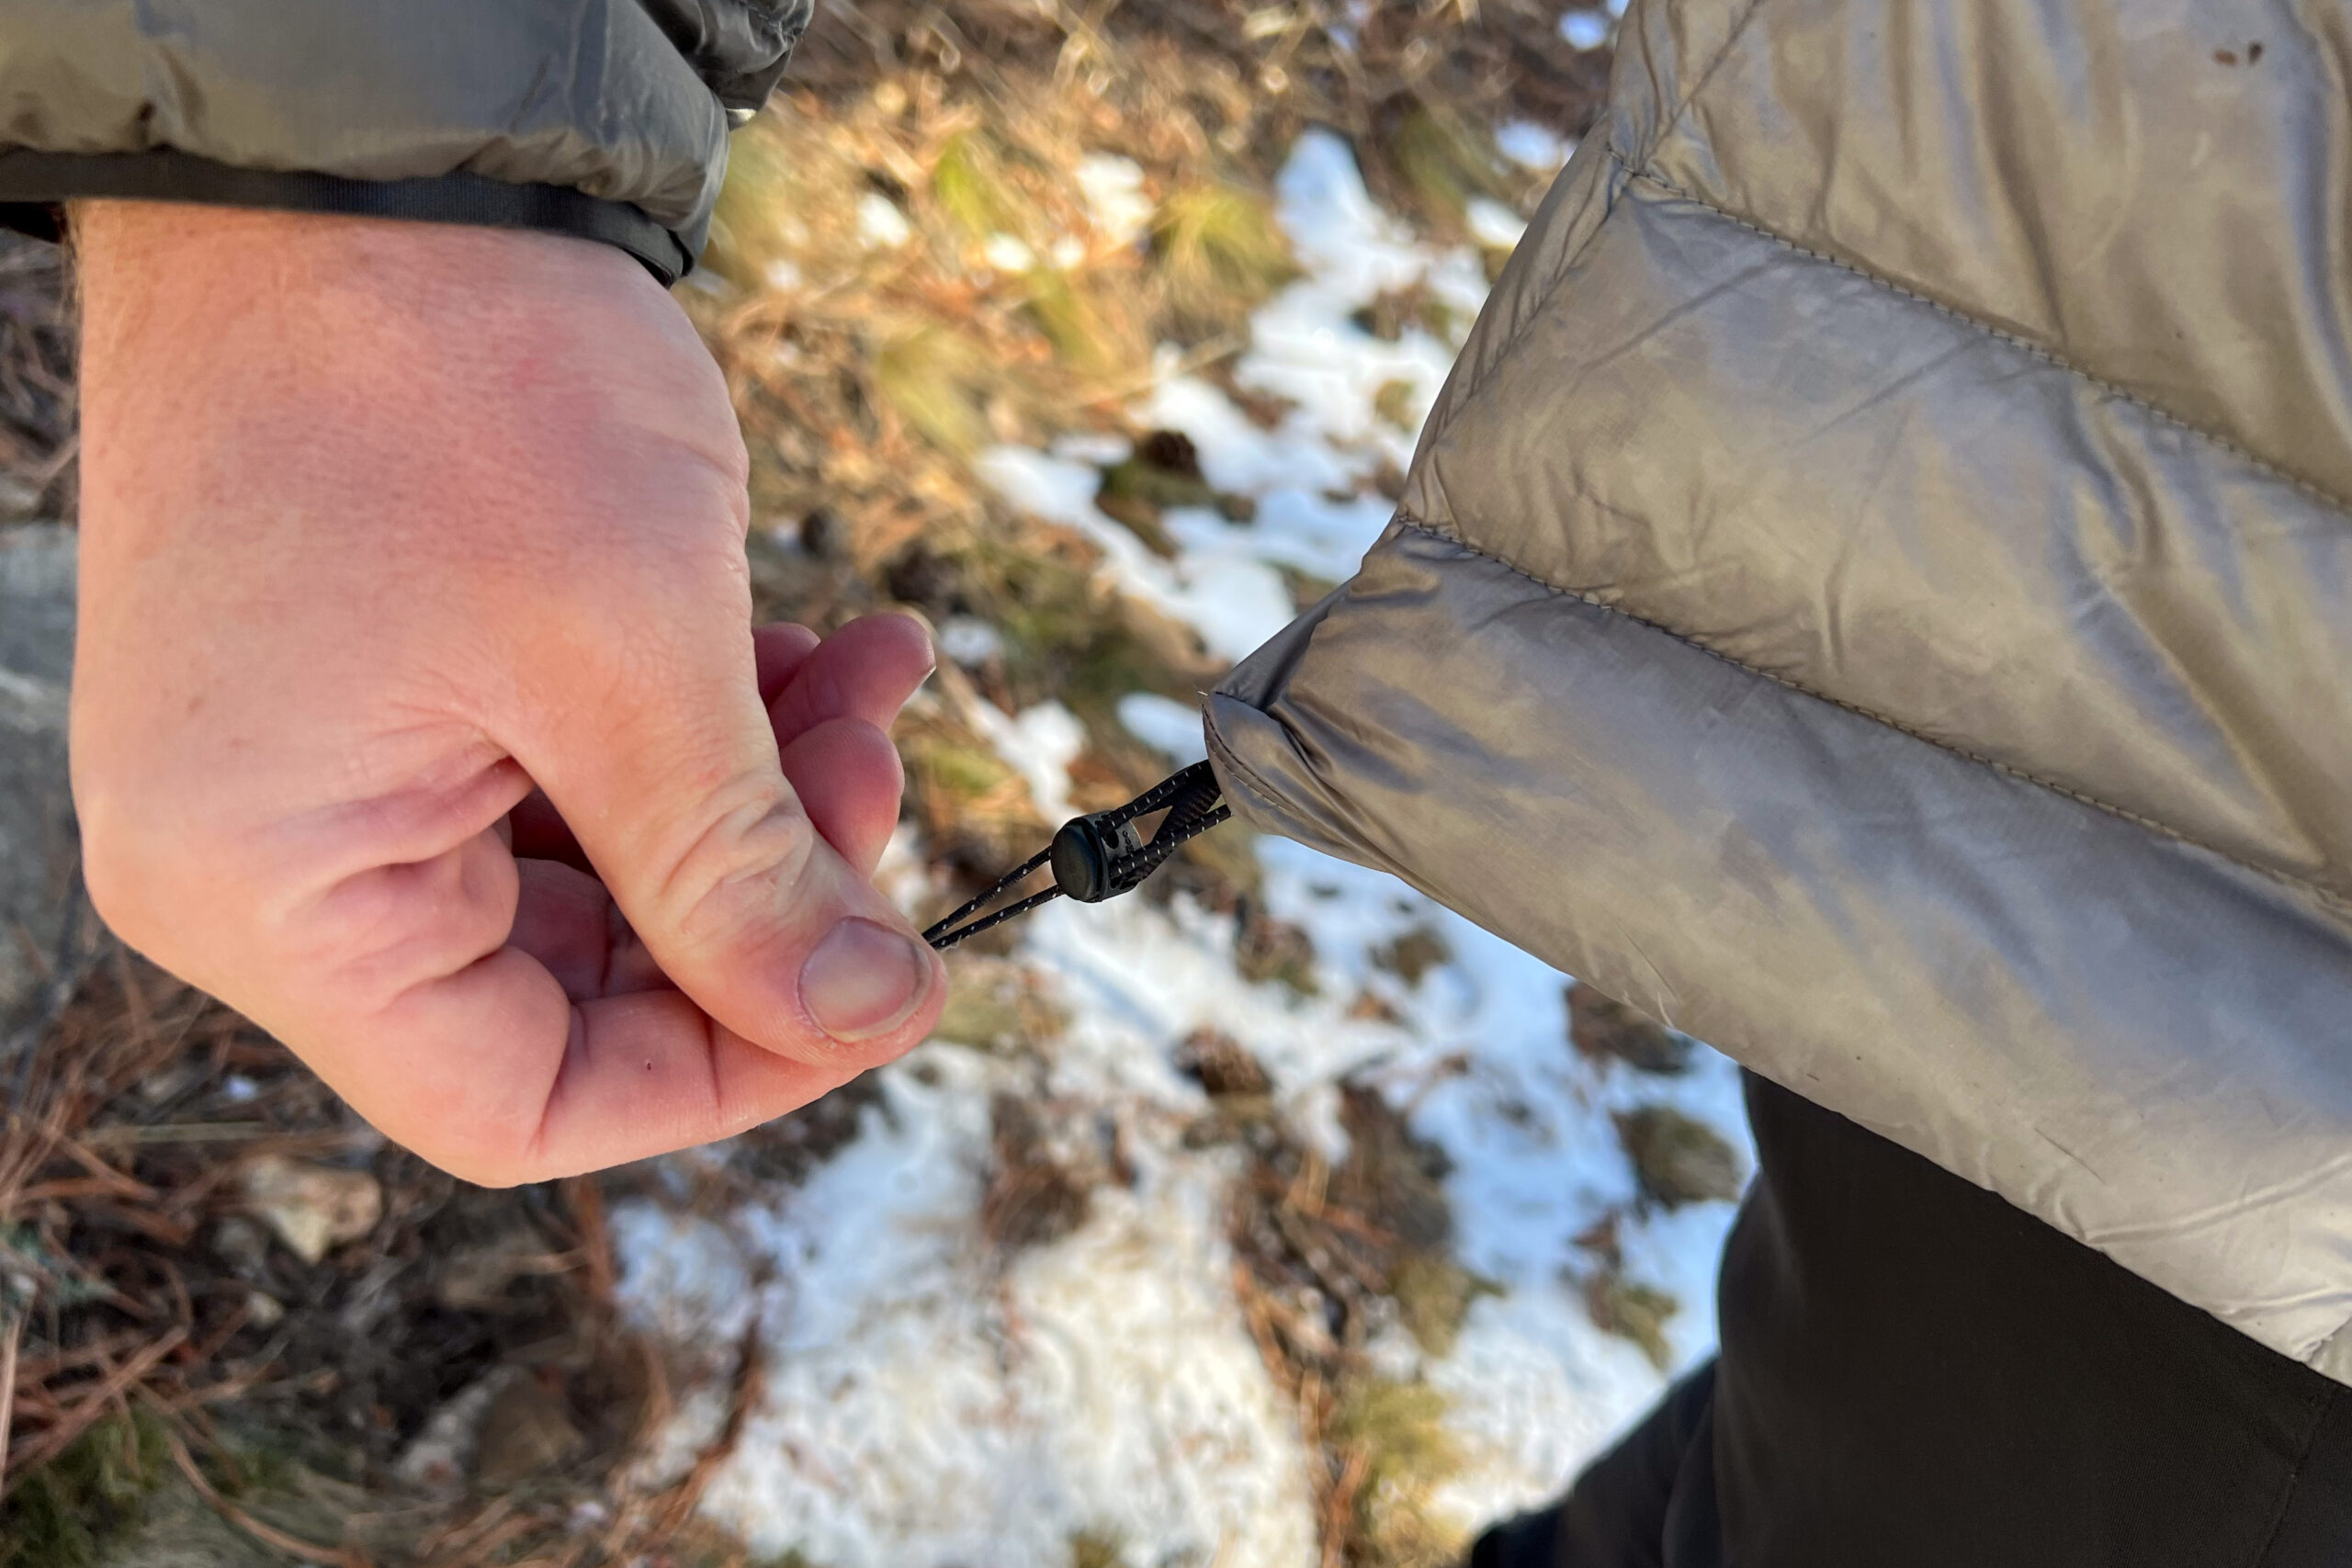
x=1101 y=856
x=943 y=936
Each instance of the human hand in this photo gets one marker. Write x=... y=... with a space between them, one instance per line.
x=412 y=587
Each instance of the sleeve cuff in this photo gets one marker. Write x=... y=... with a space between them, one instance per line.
x=33 y=185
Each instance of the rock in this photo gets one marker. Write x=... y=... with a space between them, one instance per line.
x=41 y=926
x=1679 y=1160
x=1413 y=954
x=481 y=1276
x=442 y=1455
x=238 y=1242
x=313 y=1208
x=1223 y=1065
x=1034 y=1196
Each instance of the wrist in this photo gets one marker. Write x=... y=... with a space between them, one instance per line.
x=158 y=275
x=231 y=355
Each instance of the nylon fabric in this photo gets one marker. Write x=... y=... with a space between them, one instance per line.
x=2070 y=582
x=1866 y=548
x=622 y=101
x=740 y=47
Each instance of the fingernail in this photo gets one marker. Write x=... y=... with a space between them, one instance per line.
x=930 y=632
x=863 y=980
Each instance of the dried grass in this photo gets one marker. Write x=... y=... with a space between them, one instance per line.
x=37 y=430
x=887 y=294
x=1325 y=1260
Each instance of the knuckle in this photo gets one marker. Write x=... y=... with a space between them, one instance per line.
x=382 y=932
x=484 y=1148
x=753 y=836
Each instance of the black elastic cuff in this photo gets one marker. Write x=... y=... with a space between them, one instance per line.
x=34 y=185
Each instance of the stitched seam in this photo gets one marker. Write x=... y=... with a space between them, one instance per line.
x=2295 y=1479
x=1731 y=41
x=1510 y=348
x=2263 y=465
x=2327 y=896
x=1618 y=162
x=1249 y=776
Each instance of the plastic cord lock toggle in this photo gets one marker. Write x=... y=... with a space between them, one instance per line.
x=1101 y=855
x=1085 y=858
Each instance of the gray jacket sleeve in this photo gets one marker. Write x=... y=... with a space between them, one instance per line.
x=606 y=118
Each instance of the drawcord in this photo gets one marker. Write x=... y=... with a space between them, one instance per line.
x=1102 y=855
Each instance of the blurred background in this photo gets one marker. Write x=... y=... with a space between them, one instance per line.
x=1269 y=1216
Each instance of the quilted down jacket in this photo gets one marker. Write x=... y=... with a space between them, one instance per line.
x=1876 y=592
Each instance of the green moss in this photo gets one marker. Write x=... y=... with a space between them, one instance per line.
x=1679 y=1160
x=1065 y=638
x=1397 y=402
x=1446 y=161
x=1393 y=310
x=937 y=381
x=994 y=1006
x=1413 y=954
x=62 y=1514
x=1163 y=471
x=1433 y=1295
x=1401 y=1428
x=1219 y=252
x=746 y=226
x=1135 y=494
x=1633 y=1310
x=967 y=182
x=1085 y=333
x=960 y=772
x=1406 y=1454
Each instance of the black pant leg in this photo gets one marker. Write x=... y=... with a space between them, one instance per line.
x=1630 y=1502
x=1915 y=1372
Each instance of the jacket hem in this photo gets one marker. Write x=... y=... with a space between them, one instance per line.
x=34 y=185
x=2001 y=994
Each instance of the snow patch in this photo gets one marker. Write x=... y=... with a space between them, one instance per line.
x=932 y=1401
x=1532 y=146
x=1585 y=29
x=1116 y=206
x=1165 y=726
x=880 y=225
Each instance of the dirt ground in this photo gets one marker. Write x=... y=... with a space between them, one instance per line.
x=238 y=1327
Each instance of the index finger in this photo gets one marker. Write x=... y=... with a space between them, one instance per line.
x=494 y=1074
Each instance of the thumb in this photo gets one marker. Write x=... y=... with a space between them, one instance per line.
x=675 y=794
